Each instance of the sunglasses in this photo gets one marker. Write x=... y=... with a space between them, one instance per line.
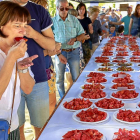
x=62 y=9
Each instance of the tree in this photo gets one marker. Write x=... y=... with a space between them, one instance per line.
x=52 y=7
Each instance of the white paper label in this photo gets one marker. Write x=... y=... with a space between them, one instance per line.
x=122 y=88
x=130 y=105
x=121 y=75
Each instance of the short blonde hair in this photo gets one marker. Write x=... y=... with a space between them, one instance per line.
x=93 y=10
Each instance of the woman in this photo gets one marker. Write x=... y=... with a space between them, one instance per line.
x=97 y=29
x=134 y=26
x=14 y=19
x=87 y=25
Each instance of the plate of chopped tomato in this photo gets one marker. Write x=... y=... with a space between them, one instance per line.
x=92 y=86
x=125 y=95
x=90 y=116
x=83 y=134
x=128 y=116
x=125 y=134
x=109 y=104
x=74 y=104
x=95 y=74
x=93 y=94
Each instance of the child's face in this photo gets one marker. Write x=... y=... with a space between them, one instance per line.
x=112 y=29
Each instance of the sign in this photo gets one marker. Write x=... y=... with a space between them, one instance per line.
x=123 y=7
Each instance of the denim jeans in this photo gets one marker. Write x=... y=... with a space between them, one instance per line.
x=73 y=59
x=134 y=32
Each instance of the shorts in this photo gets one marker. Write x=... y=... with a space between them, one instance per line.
x=37 y=103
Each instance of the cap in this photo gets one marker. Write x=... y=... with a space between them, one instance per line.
x=102 y=13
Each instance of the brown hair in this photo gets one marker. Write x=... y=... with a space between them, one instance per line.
x=136 y=13
x=10 y=11
x=79 y=7
x=41 y=2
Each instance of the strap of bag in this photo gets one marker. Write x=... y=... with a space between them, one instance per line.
x=13 y=95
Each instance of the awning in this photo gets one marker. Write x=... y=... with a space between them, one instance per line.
x=104 y=1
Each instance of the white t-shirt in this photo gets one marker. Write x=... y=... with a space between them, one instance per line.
x=6 y=99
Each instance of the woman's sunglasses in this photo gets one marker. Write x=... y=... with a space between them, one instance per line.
x=62 y=9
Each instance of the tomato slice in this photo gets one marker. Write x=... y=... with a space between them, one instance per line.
x=17 y=39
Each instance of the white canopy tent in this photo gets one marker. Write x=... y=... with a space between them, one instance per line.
x=104 y=1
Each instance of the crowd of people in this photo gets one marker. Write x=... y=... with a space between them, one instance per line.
x=72 y=36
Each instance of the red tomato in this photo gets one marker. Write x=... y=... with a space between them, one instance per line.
x=109 y=103
x=124 y=134
x=17 y=39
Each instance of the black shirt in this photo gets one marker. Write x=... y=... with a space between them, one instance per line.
x=85 y=23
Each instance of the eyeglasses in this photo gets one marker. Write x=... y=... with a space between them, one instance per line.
x=62 y=9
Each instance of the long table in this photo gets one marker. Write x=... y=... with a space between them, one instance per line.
x=62 y=120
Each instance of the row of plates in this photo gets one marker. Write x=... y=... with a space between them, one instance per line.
x=114 y=116
x=93 y=105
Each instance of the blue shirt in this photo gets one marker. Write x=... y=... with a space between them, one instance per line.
x=66 y=30
x=40 y=21
x=126 y=21
x=97 y=29
x=104 y=25
x=135 y=22
x=113 y=34
x=113 y=20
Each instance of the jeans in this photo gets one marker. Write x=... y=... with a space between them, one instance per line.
x=73 y=59
x=134 y=32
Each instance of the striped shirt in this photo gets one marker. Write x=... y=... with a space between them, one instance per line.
x=66 y=30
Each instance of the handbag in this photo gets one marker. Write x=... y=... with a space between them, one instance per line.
x=48 y=72
x=4 y=124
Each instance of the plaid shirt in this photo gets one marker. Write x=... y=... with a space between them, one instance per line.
x=66 y=30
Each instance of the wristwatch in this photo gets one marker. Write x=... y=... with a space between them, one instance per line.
x=23 y=71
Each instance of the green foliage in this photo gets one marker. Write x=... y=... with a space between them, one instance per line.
x=52 y=7
x=114 y=5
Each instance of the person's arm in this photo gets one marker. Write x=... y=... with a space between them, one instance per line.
x=6 y=72
x=77 y=38
x=55 y=51
x=15 y=52
x=26 y=81
x=45 y=40
x=118 y=18
x=116 y=23
x=103 y=22
x=130 y=25
x=80 y=33
x=99 y=28
x=90 y=28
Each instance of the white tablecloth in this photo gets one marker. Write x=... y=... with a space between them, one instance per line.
x=62 y=120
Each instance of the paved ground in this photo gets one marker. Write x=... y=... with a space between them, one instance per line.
x=29 y=133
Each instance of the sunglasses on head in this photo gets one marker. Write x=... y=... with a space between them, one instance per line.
x=62 y=9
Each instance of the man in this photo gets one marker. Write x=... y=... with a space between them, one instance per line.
x=40 y=37
x=88 y=11
x=125 y=20
x=113 y=18
x=69 y=32
x=104 y=24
